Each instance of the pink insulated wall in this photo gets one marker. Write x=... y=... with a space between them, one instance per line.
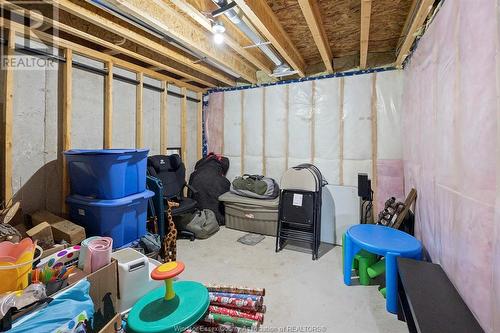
x=451 y=144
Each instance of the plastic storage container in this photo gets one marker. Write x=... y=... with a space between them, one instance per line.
x=252 y=215
x=123 y=219
x=134 y=277
x=107 y=173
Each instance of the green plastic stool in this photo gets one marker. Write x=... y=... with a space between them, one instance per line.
x=383 y=292
x=376 y=269
x=362 y=261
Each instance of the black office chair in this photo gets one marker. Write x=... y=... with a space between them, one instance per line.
x=171 y=172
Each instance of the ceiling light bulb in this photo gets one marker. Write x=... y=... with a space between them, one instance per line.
x=218 y=38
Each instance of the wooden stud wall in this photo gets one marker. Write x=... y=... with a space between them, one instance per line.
x=139 y=93
x=67 y=99
x=108 y=106
x=199 y=132
x=163 y=118
x=65 y=125
x=7 y=120
x=184 y=126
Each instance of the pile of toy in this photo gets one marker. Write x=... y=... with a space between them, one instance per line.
x=232 y=309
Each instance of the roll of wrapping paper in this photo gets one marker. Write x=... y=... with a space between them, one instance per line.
x=255 y=298
x=98 y=254
x=84 y=251
x=239 y=322
x=236 y=289
x=231 y=302
x=257 y=316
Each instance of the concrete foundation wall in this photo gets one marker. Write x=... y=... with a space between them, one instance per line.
x=37 y=150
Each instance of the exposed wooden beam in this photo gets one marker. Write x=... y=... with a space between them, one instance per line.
x=108 y=106
x=139 y=39
x=165 y=18
x=366 y=12
x=37 y=17
x=111 y=52
x=139 y=138
x=234 y=38
x=59 y=42
x=7 y=119
x=184 y=126
x=312 y=14
x=67 y=107
x=199 y=132
x=422 y=10
x=263 y=18
x=163 y=118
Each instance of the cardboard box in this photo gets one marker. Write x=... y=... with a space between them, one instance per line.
x=43 y=234
x=103 y=291
x=62 y=229
x=68 y=231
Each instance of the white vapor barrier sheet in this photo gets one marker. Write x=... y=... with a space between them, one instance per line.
x=232 y=132
x=299 y=123
x=276 y=131
x=88 y=110
x=123 y=132
x=389 y=95
x=173 y=121
x=151 y=120
x=191 y=136
x=327 y=128
x=35 y=166
x=253 y=130
x=357 y=127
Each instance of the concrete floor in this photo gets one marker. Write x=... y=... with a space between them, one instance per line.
x=301 y=295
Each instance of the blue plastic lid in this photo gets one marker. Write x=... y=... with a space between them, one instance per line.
x=104 y=151
x=90 y=201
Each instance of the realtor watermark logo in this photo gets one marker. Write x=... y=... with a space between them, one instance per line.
x=27 y=35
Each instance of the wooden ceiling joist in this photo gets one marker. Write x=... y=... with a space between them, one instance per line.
x=366 y=12
x=31 y=33
x=139 y=39
x=166 y=19
x=262 y=17
x=234 y=38
x=312 y=15
x=422 y=11
x=112 y=48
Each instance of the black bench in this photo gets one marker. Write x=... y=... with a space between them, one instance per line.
x=429 y=302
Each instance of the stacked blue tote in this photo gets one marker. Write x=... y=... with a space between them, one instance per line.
x=108 y=192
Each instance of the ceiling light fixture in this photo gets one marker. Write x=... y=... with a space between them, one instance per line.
x=218 y=30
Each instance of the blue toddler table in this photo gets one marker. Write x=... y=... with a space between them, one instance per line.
x=383 y=241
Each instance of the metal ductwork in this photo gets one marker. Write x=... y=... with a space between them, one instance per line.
x=232 y=15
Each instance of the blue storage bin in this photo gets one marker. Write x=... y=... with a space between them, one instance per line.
x=123 y=219
x=107 y=173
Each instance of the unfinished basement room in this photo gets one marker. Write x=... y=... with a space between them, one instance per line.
x=244 y=166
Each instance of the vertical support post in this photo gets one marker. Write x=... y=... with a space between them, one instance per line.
x=67 y=105
x=184 y=125
x=222 y=125
x=7 y=119
x=341 y=131
x=374 y=142
x=163 y=117
x=108 y=106
x=199 y=132
x=242 y=133
x=313 y=120
x=287 y=127
x=139 y=139
x=264 y=131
